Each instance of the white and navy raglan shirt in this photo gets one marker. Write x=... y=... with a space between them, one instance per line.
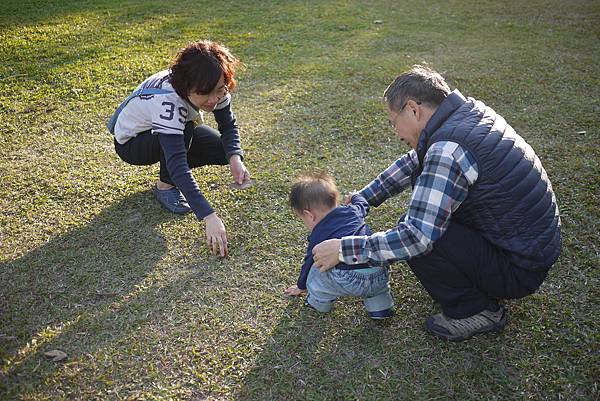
x=166 y=115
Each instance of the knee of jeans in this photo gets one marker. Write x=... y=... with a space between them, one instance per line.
x=313 y=282
x=379 y=302
x=311 y=286
x=320 y=306
x=318 y=291
x=320 y=286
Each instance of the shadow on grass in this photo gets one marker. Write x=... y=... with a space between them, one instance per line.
x=345 y=355
x=341 y=355
x=74 y=277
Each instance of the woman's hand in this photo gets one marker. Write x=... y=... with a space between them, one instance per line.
x=238 y=170
x=216 y=236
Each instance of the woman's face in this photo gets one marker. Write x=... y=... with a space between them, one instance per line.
x=209 y=102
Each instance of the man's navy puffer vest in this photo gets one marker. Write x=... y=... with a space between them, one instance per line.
x=512 y=203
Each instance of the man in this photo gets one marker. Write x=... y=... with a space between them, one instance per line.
x=482 y=222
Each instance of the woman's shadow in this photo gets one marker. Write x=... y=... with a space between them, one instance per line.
x=76 y=278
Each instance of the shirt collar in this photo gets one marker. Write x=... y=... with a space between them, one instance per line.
x=452 y=102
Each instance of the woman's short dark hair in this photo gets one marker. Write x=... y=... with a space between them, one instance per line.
x=420 y=84
x=197 y=68
x=311 y=191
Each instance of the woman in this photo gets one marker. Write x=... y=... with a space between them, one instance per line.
x=156 y=123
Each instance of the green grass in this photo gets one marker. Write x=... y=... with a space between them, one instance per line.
x=89 y=264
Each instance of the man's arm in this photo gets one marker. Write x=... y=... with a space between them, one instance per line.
x=391 y=181
x=440 y=189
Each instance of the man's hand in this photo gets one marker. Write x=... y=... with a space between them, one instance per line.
x=238 y=170
x=216 y=236
x=325 y=254
x=294 y=291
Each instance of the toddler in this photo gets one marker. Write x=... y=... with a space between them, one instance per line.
x=313 y=198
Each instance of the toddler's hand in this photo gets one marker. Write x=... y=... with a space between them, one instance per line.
x=348 y=197
x=294 y=291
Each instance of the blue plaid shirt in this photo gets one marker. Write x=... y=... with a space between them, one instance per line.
x=448 y=171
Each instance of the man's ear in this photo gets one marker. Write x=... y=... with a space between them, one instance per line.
x=414 y=107
x=417 y=109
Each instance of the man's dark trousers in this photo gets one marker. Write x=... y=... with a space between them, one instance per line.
x=466 y=274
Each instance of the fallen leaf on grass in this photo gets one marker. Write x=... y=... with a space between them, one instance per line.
x=247 y=184
x=55 y=355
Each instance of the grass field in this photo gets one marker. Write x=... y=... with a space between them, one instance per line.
x=92 y=266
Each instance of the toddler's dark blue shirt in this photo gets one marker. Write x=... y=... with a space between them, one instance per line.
x=340 y=222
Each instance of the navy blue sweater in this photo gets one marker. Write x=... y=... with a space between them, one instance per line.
x=340 y=222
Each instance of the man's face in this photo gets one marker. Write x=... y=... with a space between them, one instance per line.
x=405 y=123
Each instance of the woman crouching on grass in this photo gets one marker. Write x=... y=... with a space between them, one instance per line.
x=156 y=124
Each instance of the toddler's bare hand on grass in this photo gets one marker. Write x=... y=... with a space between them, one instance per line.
x=294 y=291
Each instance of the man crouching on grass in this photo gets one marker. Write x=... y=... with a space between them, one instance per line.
x=482 y=223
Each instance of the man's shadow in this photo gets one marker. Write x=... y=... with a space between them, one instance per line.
x=76 y=276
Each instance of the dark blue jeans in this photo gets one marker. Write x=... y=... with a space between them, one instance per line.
x=203 y=142
x=466 y=274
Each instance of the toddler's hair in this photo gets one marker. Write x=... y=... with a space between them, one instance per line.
x=313 y=191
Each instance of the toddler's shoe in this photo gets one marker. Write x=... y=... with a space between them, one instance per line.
x=382 y=314
x=447 y=328
x=172 y=200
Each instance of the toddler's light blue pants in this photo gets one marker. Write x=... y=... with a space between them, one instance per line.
x=371 y=284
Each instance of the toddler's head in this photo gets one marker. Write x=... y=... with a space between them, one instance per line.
x=312 y=196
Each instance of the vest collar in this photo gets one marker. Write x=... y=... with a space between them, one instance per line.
x=452 y=102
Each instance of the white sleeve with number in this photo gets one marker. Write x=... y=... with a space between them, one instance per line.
x=163 y=114
x=168 y=113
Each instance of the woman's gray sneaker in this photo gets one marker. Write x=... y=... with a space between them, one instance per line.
x=447 y=328
x=172 y=200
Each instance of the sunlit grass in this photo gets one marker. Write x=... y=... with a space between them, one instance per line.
x=90 y=265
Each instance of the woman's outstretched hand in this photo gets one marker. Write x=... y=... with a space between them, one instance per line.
x=216 y=236
x=238 y=170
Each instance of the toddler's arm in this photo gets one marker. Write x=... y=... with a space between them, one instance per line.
x=358 y=203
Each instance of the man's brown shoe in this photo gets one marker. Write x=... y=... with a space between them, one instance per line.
x=447 y=328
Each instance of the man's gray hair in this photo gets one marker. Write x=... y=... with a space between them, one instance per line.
x=420 y=84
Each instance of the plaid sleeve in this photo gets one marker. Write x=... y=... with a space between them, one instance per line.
x=392 y=180
x=448 y=171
